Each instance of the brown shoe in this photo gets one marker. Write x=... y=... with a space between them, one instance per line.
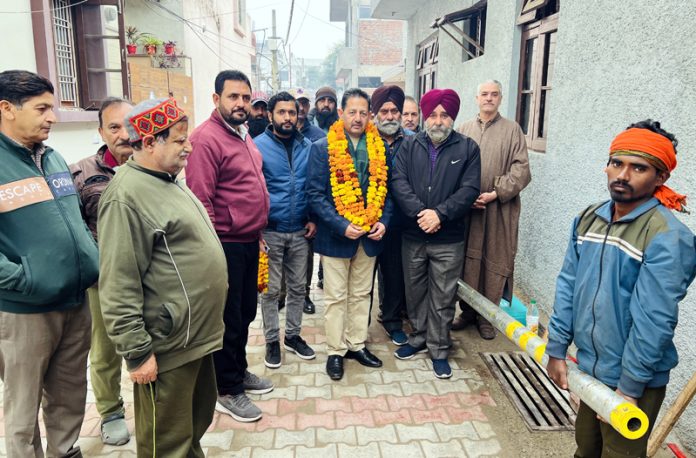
x=485 y=329
x=461 y=321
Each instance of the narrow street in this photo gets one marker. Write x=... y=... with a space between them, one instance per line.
x=400 y=410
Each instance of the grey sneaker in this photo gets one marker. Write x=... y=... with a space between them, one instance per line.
x=256 y=385
x=272 y=359
x=115 y=432
x=297 y=345
x=239 y=407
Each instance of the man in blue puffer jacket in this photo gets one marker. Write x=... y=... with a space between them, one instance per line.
x=628 y=265
x=285 y=154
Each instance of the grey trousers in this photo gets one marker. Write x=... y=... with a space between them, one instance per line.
x=43 y=362
x=431 y=272
x=287 y=255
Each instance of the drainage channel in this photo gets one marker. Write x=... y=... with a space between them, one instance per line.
x=542 y=405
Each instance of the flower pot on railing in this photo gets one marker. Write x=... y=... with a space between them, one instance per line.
x=131 y=48
x=151 y=50
x=170 y=48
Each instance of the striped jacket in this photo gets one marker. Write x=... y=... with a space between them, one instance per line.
x=618 y=293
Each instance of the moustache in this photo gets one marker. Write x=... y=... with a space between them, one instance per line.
x=622 y=184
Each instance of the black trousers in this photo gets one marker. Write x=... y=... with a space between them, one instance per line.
x=597 y=439
x=240 y=311
x=391 y=285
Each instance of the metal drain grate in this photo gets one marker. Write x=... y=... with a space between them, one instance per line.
x=543 y=406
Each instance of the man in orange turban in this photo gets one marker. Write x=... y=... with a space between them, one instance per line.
x=629 y=263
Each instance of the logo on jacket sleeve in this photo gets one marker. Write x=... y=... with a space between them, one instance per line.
x=62 y=184
x=22 y=193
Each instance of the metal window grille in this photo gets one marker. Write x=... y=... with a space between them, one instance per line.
x=65 y=53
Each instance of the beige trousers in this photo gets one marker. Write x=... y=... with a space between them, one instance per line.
x=43 y=362
x=347 y=284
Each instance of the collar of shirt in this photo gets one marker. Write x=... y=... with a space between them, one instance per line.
x=109 y=159
x=488 y=123
x=240 y=130
x=35 y=154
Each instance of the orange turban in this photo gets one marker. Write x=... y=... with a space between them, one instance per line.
x=656 y=149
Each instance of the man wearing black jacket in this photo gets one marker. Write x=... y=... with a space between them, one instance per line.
x=436 y=179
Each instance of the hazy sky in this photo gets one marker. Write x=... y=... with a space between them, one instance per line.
x=311 y=33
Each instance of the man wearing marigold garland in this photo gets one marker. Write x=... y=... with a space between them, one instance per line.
x=347 y=188
x=436 y=180
x=387 y=104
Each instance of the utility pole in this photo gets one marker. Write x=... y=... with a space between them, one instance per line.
x=273 y=46
x=289 y=66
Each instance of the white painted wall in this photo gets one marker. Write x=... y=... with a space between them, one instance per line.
x=603 y=80
x=73 y=140
x=16 y=23
x=219 y=48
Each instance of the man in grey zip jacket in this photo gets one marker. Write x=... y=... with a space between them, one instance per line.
x=163 y=284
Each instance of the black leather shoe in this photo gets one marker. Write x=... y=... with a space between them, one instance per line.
x=308 y=308
x=334 y=367
x=364 y=357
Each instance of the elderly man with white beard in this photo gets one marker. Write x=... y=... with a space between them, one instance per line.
x=436 y=180
x=387 y=105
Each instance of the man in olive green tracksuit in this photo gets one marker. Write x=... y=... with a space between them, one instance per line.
x=163 y=283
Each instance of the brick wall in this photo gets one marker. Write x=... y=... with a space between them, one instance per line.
x=146 y=79
x=380 y=42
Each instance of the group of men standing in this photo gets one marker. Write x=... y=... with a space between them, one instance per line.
x=362 y=184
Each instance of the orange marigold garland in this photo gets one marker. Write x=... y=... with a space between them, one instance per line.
x=345 y=184
x=262 y=281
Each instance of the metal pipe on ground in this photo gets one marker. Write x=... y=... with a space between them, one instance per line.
x=629 y=420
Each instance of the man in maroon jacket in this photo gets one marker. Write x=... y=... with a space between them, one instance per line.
x=224 y=172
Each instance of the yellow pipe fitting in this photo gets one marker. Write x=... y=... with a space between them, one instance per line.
x=630 y=421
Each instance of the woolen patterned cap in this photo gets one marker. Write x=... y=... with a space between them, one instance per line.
x=152 y=117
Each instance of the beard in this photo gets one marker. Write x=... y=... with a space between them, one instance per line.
x=229 y=118
x=438 y=134
x=282 y=130
x=388 y=128
x=257 y=126
x=326 y=118
x=626 y=195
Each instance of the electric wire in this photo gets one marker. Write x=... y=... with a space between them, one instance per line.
x=287 y=35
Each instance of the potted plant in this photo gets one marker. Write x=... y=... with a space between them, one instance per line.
x=150 y=44
x=170 y=47
x=134 y=37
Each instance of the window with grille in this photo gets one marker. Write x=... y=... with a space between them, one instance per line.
x=80 y=47
x=65 y=53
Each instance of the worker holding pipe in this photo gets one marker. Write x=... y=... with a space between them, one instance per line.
x=628 y=265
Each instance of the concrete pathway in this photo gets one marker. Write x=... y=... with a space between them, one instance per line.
x=400 y=410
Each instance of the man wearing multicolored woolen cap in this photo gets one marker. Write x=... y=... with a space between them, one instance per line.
x=628 y=265
x=163 y=282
